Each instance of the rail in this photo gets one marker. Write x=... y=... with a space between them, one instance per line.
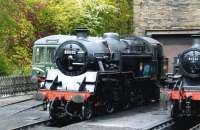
x=163 y=125
x=31 y=125
x=15 y=85
x=196 y=127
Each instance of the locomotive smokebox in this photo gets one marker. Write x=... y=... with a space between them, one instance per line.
x=82 y=32
x=190 y=60
x=196 y=41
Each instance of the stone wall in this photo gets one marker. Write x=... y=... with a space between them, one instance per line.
x=166 y=15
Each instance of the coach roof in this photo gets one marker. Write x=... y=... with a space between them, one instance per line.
x=54 y=39
x=59 y=39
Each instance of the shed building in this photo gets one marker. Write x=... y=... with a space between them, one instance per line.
x=171 y=22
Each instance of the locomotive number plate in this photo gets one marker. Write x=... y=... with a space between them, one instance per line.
x=70 y=52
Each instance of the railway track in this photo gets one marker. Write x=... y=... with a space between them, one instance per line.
x=31 y=125
x=6 y=101
x=32 y=107
x=115 y=120
x=184 y=124
x=163 y=125
x=20 y=114
x=40 y=124
x=196 y=127
x=178 y=124
x=18 y=107
x=137 y=118
x=12 y=103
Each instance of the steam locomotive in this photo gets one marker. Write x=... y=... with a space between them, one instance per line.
x=106 y=73
x=185 y=95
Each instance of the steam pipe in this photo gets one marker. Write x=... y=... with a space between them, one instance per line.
x=101 y=66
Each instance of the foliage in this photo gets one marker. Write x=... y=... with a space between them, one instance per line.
x=4 y=67
x=59 y=16
x=24 y=21
x=16 y=31
x=98 y=16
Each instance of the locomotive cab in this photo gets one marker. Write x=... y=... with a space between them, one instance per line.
x=145 y=59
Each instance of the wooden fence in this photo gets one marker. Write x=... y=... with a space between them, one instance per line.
x=15 y=85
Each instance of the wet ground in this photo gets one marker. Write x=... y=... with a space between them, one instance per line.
x=142 y=117
x=134 y=119
x=22 y=113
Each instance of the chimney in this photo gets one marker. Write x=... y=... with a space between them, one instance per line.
x=196 y=41
x=82 y=32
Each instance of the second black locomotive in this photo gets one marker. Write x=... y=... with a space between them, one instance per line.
x=185 y=95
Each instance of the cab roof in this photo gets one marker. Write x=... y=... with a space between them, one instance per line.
x=145 y=39
x=149 y=40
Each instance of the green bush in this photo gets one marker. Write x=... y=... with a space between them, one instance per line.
x=24 y=21
x=4 y=66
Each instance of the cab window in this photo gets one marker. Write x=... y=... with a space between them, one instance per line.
x=39 y=55
x=50 y=54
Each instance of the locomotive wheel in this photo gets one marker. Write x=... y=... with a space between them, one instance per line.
x=110 y=108
x=52 y=111
x=126 y=106
x=174 y=110
x=157 y=95
x=45 y=105
x=140 y=98
x=87 y=111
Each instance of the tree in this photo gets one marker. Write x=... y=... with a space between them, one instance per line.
x=24 y=21
x=15 y=31
x=98 y=16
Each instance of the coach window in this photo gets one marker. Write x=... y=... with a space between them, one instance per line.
x=39 y=55
x=50 y=54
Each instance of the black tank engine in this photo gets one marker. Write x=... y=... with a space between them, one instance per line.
x=108 y=73
x=185 y=94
